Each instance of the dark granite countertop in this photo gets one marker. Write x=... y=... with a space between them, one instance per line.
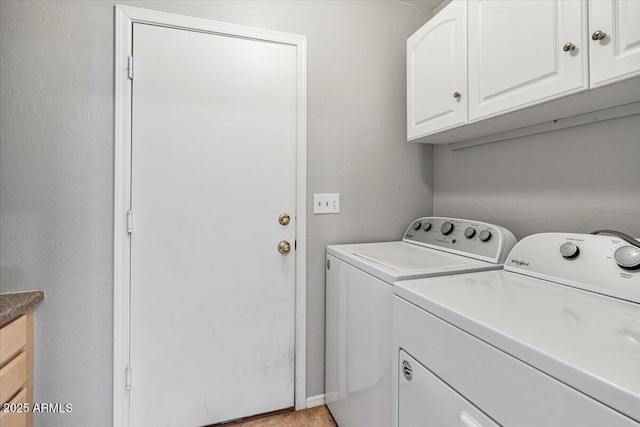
x=15 y=304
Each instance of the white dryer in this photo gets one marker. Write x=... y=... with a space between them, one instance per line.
x=359 y=295
x=552 y=340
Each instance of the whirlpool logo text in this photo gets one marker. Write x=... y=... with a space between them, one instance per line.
x=519 y=263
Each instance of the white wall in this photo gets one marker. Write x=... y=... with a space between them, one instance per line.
x=578 y=180
x=56 y=168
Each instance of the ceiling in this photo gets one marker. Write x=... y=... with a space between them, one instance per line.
x=427 y=4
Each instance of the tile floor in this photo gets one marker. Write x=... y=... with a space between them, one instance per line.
x=312 y=417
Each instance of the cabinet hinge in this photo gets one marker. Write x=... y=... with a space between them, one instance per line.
x=130 y=67
x=129 y=221
x=128 y=377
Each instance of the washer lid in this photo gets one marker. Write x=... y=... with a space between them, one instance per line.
x=391 y=261
x=589 y=341
x=405 y=257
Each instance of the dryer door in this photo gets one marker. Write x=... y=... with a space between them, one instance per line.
x=426 y=401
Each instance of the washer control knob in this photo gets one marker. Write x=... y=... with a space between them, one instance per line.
x=627 y=256
x=446 y=228
x=469 y=232
x=569 y=250
x=426 y=226
x=485 y=235
x=417 y=225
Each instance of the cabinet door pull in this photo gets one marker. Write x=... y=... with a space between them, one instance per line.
x=568 y=47
x=598 y=35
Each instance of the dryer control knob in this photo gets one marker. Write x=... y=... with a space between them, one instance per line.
x=446 y=228
x=469 y=232
x=627 y=256
x=417 y=225
x=426 y=226
x=485 y=235
x=569 y=250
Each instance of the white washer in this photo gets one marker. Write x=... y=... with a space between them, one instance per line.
x=552 y=340
x=359 y=295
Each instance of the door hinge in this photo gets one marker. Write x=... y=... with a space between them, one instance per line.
x=129 y=221
x=128 y=377
x=130 y=67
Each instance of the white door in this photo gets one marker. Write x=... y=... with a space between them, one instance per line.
x=517 y=54
x=614 y=38
x=437 y=73
x=213 y=167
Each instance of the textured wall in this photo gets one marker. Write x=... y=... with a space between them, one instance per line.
x=578 y=180
x=56 y=168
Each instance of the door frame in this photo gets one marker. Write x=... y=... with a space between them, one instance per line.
x=125 y=17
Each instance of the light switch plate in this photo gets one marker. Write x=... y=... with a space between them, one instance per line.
x=326 y=203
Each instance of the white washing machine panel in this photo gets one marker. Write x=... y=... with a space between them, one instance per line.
x=588 y=341
x=359 y=295
x=392 y=261
x=425 y=400
x=358 y=346
x=529 y=351
x=487 y=242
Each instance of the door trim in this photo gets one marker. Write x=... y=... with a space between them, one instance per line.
x=125 y=17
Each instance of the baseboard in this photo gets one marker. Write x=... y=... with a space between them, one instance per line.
x=315 y=401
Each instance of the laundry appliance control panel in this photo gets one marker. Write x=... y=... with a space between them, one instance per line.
x=475 y=239
x=604 y=264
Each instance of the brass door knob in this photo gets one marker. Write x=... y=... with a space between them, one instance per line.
x=456 y=95
x=598 y=35
x=284 y=247
x=284 y=219
x=568 y=47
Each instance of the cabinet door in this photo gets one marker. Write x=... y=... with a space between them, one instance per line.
x=517 y=55
x=615 y=53
x=436 y=70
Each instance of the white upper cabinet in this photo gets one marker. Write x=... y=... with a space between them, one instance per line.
x=520 y=67
x=437 y=73
x=614 y=39
x=523 y=52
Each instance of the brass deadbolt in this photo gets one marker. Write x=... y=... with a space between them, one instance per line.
x=284 y=219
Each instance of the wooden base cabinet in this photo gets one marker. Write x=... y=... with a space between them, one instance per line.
x=16 y=372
